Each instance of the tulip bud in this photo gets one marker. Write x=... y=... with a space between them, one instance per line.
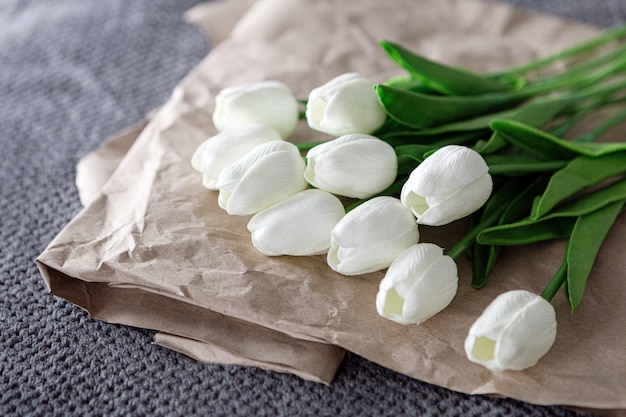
x=346 y=104
x=450 y=184
x=370 y=236
x=268 y=103
x=299 y=225
x=419 y=283
x=221 y=150
x=355 y=165
x=513 y=332
x=266 y=175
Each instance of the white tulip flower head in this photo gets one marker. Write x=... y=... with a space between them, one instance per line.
x=420 y=283
x=221 y=150
x=355 y=165
x=299 y=225
x=450 y=184
x=516 y=330
x=266 y=175
x=369 y=237
x=268 y=103
x=346 y=104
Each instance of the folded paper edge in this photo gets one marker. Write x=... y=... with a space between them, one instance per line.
x=217 y=354
x=312 y=361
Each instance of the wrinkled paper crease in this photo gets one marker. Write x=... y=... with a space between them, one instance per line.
x=152 y=248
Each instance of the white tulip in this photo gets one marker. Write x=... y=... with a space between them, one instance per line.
x=299 y=225
x=268 y=103
x=450 y=184
x=371 y=236
x=264 y=176
x=513 y=333
x=221 y=150
x=346 y=104
x=354 y=165
x=419 y=283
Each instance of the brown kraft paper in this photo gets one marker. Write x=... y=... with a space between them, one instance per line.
x=162 y=233
x=213 y=338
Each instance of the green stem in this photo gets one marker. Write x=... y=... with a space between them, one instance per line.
x=586 y=66
x=466 y=241
x=556 y=282
x=605 y=37
x=528 y=168
x=603 y=127
x=575 y=81
x=600 y=97
x=307 y=146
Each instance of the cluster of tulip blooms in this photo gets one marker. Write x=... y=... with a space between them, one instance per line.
x=297 y=206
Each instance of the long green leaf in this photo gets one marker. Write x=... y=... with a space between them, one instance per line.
x=443 y=78
x=557 y=224
x=547 y=146
x=587 y=236
x=519 y=164
x=581 y=173
x=517 y=204
x=527 y=231
x=421 y=111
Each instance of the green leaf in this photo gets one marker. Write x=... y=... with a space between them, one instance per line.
x=403 y=137
x=421 y=111
x=493 y=209
x=519 y=164
x=536 y=113
x=557 y=224
x=546 y=146
x=586 y=239
x=415 y=151
x=443 y=78
x=527 y=231
x=581 y=173
x=517 y=204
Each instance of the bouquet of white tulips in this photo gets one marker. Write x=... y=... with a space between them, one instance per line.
x=425 y=149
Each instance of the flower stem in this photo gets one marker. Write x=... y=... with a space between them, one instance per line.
x=602 y=39
x=603 y=127
x=466 y=241
x=307 y=146
x=556 y=282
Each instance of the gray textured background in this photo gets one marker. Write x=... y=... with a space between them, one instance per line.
x=72 y=73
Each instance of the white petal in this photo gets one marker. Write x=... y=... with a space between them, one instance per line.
x=270 y=180
x=528 y=337
x=410 y=264
x=268 y=102
x=233 y=173
x=353 y=109
x=447 y=170
x=230 y=145
x=299 y=225
x=446 y=209
x=196 y=159
x=369 y=258
x=369 y=237
x=513 y=332
x=434 y=291
x=328 y=146
x=378 y=219
x=357 y=169
x=423 y=279
x=345 y=104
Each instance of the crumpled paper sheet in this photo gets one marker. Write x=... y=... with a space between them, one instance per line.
x=163 y=233
x=209 y=337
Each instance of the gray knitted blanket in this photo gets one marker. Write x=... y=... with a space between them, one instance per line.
x=72 y=73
